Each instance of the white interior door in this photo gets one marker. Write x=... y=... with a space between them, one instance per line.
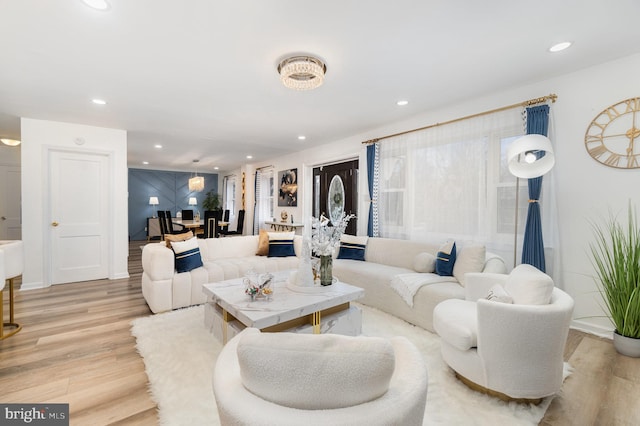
x=79 y=200
x=10 y=201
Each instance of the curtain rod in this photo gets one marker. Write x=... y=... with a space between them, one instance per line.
x=552 y=97
x=264 y=167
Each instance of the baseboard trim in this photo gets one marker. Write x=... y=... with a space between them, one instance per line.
x=594 y=329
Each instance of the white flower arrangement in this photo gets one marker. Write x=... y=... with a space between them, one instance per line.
x=325 y=238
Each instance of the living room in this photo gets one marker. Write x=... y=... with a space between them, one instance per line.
x=585 y=189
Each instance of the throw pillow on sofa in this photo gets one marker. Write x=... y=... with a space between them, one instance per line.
x=469 y=258
x=446 y=259
x=352 y=247
x=528 y=285
x=497 y=293
x=169 y=238
x=187 y=254
x=281 y=244
x=263 y=243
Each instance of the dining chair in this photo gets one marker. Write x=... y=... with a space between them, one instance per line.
x=166 y=224
x=187 y=214
x=209 y=225
x=239 y=227
x=225 y=218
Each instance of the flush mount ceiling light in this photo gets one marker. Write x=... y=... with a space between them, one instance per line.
x=302 y=72
x=10 y=142
x=97 y=4
x=560 y=46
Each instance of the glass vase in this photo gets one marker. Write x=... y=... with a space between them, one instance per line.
x=326 y=270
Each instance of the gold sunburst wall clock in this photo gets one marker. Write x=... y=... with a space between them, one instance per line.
x=613 y=137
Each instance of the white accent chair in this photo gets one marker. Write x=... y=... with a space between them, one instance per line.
x=310 y=379
x=510 y=350
x=12 y=266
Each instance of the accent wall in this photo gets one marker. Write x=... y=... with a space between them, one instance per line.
x=173 y=194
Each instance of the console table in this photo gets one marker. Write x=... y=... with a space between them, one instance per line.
x=153 y=228
x=284 y=226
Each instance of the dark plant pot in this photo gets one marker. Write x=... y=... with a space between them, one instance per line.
x=627 y=346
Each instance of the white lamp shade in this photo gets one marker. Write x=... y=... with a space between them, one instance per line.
x=193 y=201
x=516 y=153
x=196 y=183
x=153 y=201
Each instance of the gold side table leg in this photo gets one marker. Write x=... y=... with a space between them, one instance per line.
x=315 y=322
x=225 y=326
x=11 y=323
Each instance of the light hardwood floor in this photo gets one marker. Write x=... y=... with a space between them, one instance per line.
x=76 y=348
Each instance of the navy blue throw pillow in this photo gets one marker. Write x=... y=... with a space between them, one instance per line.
x=187 y=254
x=352 y=247
x=445 y=259
x=281 y=244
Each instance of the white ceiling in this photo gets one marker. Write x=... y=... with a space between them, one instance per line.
x=199 y=76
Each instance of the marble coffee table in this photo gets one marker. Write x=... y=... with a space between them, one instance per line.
x=317 y=310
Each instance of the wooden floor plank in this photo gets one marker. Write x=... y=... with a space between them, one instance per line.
x=76 y=348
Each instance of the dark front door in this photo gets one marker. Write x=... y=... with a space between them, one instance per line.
x=347 y=172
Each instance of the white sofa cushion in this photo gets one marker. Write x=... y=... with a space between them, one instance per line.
x=424 y=262
x=528 y=285
x=315 y=372
x=456 y=322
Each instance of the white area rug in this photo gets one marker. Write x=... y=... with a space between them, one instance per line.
x=180 y=354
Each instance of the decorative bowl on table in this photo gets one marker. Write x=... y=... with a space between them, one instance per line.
x=258 y=286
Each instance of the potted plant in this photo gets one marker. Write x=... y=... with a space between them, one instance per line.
x=616 y=259
x=211 y=201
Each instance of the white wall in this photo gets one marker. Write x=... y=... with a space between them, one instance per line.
x=585 y=189
x=9 y=155
x=37 y=137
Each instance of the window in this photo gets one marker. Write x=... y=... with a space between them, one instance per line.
x=229 y=185
x=452 y=182
x=264 y=198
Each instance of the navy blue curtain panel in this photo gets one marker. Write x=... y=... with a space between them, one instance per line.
x=533 y=246
x=371 y=159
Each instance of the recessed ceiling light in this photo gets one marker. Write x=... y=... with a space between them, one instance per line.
x=402 y=103
x=301 y=137
x=249 y=157
x=10 y=142
x=97 y=4
x=560 y=46
x=157 y=146
x=99 y=101
x=216 y=168
x=145 y=162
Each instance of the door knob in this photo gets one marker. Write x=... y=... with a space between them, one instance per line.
x=4 y=218
x=54 y=224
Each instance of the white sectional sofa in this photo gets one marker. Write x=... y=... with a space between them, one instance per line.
x=387 y=262
x=165 y=289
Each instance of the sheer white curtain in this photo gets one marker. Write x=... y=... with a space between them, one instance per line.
x=229 y=188
x=264 y=198
x=452 y=182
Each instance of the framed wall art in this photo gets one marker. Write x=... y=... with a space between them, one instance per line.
x=288 y=188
